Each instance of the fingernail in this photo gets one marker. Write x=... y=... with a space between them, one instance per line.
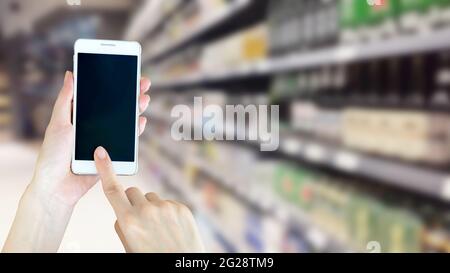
x=66 y=77
x=100 y=152
x=145 y=120
x=145 y=104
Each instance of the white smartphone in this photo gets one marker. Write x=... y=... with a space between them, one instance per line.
x=105 y=108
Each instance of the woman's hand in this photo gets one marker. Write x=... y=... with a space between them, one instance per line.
x=53 y=177
x=46 y=206
x=146 y=223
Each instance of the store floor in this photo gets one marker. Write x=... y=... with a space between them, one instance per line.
x=91 y=227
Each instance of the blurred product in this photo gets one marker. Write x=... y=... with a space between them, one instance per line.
x=412 y=136
x=185 y=64
x=301 y=24
x=408 y=82
x=352 y=213
x=243 y=48
x=321 y=123
x=441 y=95
x=383 y=19
x=363 y=20
x=325 y=85
x=191 y=16
x=348 y=214
x=431 y=13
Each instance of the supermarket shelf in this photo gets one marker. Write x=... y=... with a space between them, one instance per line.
x=226 y=182
x=404 y=45
x=282 y=210
x=213 y=221
x=421 y=180
x=221 y=18
x=262 y=68
x=167 y=16
x=175 y=180
x=142 y=26
x=285 y=212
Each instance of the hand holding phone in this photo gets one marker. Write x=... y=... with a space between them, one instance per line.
x=47 y=203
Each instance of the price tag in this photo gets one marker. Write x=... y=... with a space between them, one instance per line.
x=446 y=189
x=345 y=53
x=262 y=66
x=346 y=161
x=291 y=146
x=317 y=237
x=315 y=153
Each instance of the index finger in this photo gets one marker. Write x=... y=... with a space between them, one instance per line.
x=113 y=190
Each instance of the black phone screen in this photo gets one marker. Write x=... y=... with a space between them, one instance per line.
x=106 y=106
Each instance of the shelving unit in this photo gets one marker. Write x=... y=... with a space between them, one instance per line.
x=420 y=180
x=175 y=180
x=311 y=155
x=283 y=211
x=142 y=27
x=335 y=55
x=204 y=27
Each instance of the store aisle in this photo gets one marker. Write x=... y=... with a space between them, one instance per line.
x=91 y=227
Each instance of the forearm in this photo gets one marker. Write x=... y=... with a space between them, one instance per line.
x=39 y=224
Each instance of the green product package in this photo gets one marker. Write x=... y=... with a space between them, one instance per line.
x=402 y=232
x=378 y=13
x=416 y=5
x=291 y=84
x=363 y=222
x=294 y=185
x=284 y=86
x=305 y=189
x=376 y=230
x=352 y=13
x=276 y=91
x=285 y=182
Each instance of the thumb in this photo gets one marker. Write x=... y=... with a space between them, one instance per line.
x=111 y=187
x=62 y=110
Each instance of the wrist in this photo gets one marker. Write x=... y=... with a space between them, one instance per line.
x=49 y=193
x=39 y=224
x=47 y=202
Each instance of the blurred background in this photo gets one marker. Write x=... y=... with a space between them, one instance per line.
x=364 y=95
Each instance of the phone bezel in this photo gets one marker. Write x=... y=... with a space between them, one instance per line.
x=85 y=167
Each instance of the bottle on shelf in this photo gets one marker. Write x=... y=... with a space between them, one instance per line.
x=441 y=94
x=415 y=15
x=393 y=76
